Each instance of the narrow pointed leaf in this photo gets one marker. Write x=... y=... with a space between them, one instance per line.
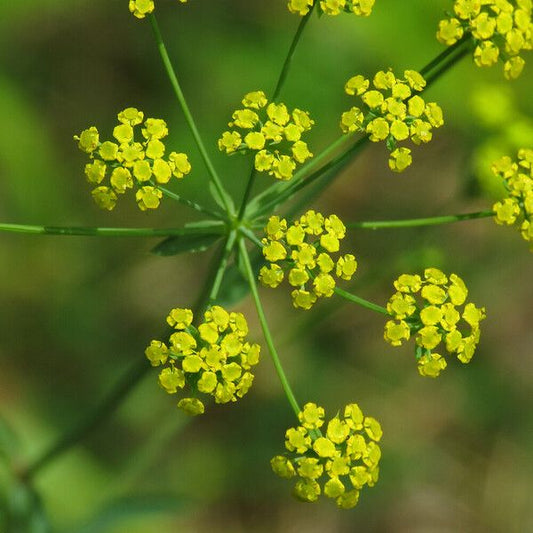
x=186 y=243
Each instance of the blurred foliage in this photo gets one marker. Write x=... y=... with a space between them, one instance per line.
x=458 y=451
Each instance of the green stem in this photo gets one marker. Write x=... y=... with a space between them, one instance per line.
x=110 y=232
x=443 y=55
x=460 y=52
x=360 y=301
x=412 y=222
x=247 y=192
x=216 y=273
x=188 y=116
x=266 y=331
x=219 y=275
x=189 y=203
x=290 y=54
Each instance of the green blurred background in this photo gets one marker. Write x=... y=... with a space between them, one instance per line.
x=75 y=311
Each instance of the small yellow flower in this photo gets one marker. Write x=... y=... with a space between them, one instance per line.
x=362 y=8
x=213 y=359
x=305 y=249
x=271 y=132
x=391 y=112
x=88 y=140
x=95 y=171
x=104 y=197
x=400 y=159
x=148 y=197
x=431 y=365
x=191 y=406
x=255 y=140
x=439 y=316
x=338 y=463
x=517 y=208
x=157 y=353
x=131 y=164
x=356 y=85
x=141 y=8
x=121 y=180
x=499 y=28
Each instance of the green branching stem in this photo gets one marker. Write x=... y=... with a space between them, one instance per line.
x=139 y=367
x=266 y=331
x=413 y=222
x=191 y=204
x=112 y=232
x=247 y=192
x=360 y=301
x=290 y=54
x=188 y=116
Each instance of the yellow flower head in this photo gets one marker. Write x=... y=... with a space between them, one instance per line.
x=391 y=111
x=439 y=316
x=271 y=132
x=516 y=209
x=337 y=460
x=306 y=250
x=141 y=8
x=213 y=359
x=130 y=164
x=501 y=29
x=362 y=8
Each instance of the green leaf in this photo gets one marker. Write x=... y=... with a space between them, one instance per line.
x=186 y=243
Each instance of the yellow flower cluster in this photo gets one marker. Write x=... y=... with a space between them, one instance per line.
x=362 y=8
x=130 y=163
x=517 y=208
x=338 y=464
x=213 y=359
x=304 y=249
x=271 y=132
x=440 y=316
x=141 y=8
x=392 y=112
x=500 y=28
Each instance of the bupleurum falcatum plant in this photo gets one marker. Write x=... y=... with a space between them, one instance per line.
x=209 y=356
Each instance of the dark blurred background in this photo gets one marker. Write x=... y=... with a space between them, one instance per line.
x=76 y=311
